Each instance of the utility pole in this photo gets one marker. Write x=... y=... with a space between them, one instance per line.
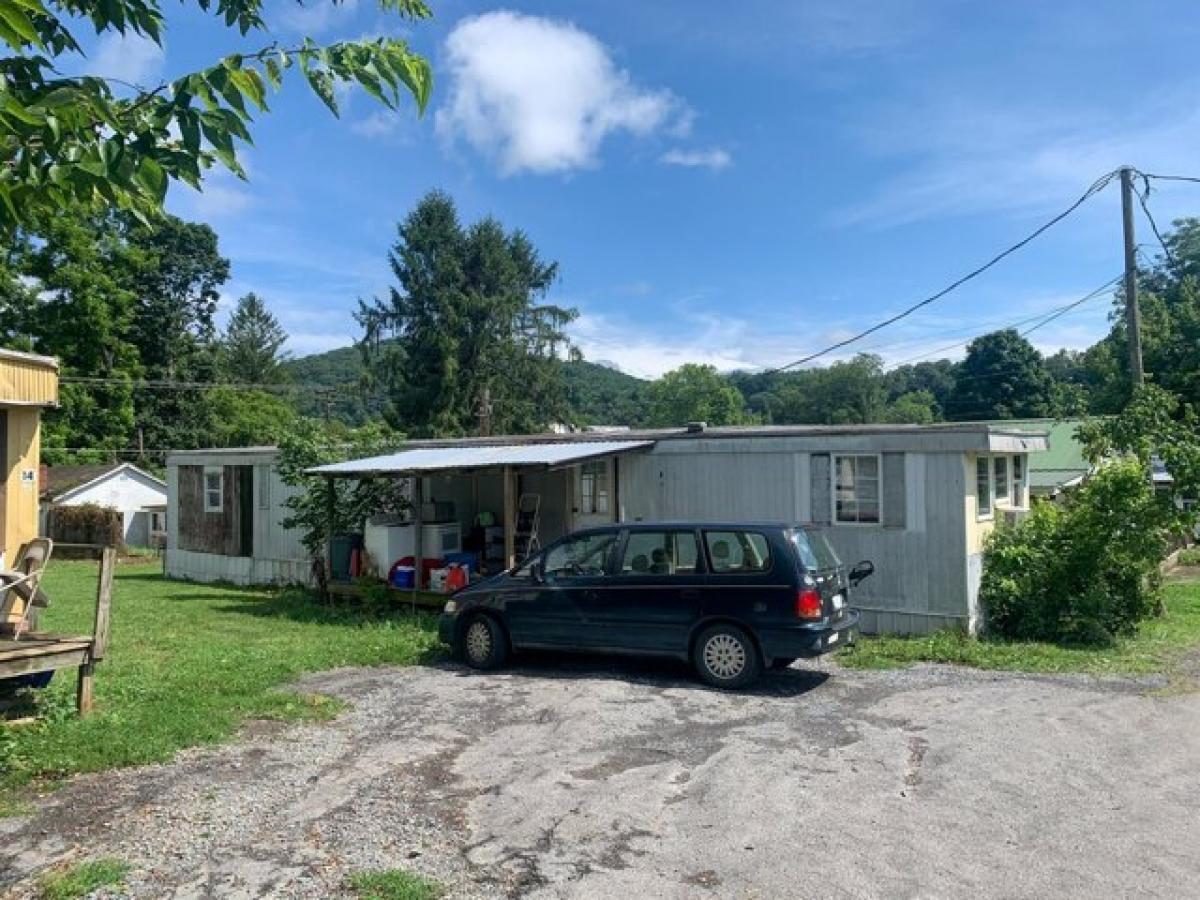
x=1133 y=316
x=484 y=413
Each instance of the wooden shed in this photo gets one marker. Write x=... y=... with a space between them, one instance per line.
x=28 y=384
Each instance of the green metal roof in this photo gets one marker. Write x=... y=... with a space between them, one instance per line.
x=1063 y=462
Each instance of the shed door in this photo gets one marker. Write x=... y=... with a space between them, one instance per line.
x=245 y=507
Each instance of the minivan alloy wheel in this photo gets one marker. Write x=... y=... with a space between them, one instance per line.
x=724 y=656
x=478 y=641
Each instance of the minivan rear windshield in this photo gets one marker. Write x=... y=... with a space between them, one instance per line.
x=814 y=550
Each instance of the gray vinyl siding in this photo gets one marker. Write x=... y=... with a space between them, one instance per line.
x=822 y=488
x=919 y=552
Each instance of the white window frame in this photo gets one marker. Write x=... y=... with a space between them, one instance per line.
x=1004 y=483
x=158 y=518
x=833 y=487
x=219 y=506
x=1020 y=486
x=990 y=513
x=598 y=473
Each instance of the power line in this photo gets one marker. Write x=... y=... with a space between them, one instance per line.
x=1151 y=175
x=1142 y=199
x=1051 y=313
x=1095 y=188
x=1070 y=306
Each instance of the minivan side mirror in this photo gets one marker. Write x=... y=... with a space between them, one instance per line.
x=537 y=571
x=861 y=572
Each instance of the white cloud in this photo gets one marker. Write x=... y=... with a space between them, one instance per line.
x=965 y=158
x=384 y=123
x=129 y=58
x=223 y=195
x=315 y=17
x=713 y=158
x=541 y=95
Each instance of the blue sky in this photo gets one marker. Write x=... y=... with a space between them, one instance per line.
x=737 y=184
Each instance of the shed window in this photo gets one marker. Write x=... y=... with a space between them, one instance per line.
x=1018 y=478
x=856 y=489
x=593 y=487
x=214 y=489
x=1000 y=469
x=983 y=486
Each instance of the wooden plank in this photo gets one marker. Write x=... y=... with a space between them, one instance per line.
x=44 y=662
x=108 y=563
x=83 y=694
x=43 y=649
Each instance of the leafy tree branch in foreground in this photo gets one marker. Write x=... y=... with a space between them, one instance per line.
x=67 y=140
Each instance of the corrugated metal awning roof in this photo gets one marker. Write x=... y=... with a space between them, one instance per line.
x=463 y=458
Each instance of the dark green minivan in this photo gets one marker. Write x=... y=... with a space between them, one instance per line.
x=730 y=597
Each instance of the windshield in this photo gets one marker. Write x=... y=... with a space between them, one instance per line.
x=814 y=550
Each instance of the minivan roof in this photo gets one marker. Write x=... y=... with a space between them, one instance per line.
x=645 y=525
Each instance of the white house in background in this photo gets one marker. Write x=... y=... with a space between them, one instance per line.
x=137 y=495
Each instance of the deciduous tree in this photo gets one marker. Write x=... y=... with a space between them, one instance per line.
x=69 y=140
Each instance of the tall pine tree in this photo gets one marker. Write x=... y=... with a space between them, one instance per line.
x=466 y=322
x=252 y=345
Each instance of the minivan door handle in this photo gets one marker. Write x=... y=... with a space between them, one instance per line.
x=690 y=594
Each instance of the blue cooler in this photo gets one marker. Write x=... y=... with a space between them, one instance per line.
x=403 y=576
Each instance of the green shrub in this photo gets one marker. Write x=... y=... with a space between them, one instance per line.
x=1189 y=556
x=1082 y=572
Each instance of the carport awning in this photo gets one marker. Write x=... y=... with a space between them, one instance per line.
x=421 y=460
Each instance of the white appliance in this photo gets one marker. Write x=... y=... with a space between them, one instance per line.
x=389 y=541
x=440 y=538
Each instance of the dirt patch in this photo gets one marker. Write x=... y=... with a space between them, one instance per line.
x=585 y=778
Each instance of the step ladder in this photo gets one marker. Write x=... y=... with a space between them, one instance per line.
x=526 y=543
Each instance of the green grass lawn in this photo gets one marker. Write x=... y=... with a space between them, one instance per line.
x=187 y=664
x=1156 y=647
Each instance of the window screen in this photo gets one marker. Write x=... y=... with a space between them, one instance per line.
x=593 y=487
x=1000 y=470
x=983 y=486
x=214 y=489
x=856 y=488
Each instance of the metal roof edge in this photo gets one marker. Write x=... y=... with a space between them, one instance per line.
x=49 y=362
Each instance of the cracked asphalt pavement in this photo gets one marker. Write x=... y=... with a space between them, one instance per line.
x=589 y=778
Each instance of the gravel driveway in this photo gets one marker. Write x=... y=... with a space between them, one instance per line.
x=593 y=778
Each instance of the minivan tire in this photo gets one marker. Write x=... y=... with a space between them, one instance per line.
x=484 y=645
x=725 y=657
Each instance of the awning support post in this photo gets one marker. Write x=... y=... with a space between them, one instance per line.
x=418 y=500
x=510 y=518
x=330 y=512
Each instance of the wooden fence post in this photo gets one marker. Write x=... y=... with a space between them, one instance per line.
x=99 y=647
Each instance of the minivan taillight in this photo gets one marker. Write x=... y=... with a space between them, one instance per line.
x=809 y=605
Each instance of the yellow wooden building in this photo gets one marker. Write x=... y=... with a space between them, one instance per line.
x=28 y=384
